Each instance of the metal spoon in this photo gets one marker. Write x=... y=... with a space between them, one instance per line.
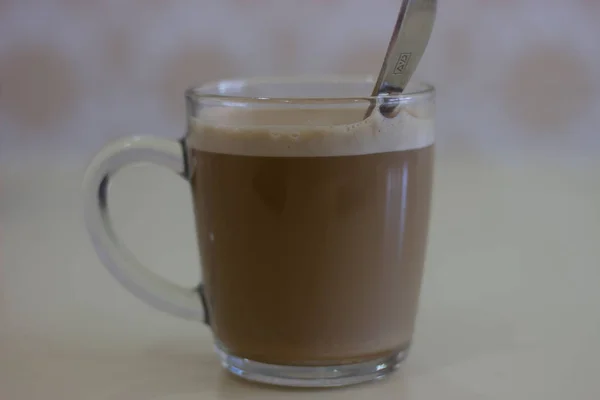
x=407 y=45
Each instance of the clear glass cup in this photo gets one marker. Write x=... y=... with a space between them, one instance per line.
x=312 y=212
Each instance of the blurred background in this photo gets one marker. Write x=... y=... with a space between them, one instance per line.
x=515 y=78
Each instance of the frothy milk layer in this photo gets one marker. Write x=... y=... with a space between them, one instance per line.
x=307 y=132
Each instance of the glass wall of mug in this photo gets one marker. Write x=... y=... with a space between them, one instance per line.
x=312 y=209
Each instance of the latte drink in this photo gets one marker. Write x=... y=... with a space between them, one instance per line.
x=312 y=227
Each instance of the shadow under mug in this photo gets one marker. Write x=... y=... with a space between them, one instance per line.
x=311 y=222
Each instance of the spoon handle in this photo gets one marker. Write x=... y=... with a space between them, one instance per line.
x=407 y=45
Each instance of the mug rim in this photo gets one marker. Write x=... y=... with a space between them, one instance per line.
x=210 y=90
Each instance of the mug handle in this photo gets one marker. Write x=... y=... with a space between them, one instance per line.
x=120 y=262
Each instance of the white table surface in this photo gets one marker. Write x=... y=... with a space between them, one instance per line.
x=510 y=306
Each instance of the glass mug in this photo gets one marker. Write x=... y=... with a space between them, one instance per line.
x=312 y=213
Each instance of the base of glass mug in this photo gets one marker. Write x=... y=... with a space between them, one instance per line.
x=317 y=376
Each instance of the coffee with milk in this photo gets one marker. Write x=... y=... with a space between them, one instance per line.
x=312 y=226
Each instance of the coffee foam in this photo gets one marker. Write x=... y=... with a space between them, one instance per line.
x=307 y=133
